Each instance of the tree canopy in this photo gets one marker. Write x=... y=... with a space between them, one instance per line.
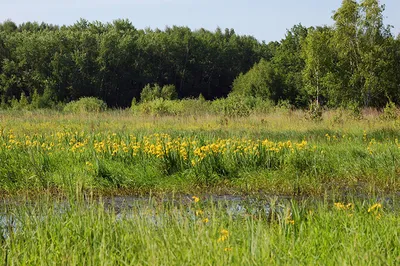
x=356 y=60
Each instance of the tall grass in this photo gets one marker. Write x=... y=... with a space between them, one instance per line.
x=193 y=231
x=117 y=151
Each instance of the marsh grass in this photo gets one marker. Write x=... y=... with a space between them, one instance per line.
x=201 y=231
x=359 y=156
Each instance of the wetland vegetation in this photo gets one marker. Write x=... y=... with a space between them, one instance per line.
x=121 y=146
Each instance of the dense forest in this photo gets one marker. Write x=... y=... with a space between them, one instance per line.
x=355 y=61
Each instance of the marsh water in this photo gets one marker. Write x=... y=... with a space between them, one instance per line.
x=127 y=207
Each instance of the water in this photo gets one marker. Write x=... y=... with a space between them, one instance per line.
x=156 y=210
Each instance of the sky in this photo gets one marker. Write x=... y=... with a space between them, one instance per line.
x=266 y=20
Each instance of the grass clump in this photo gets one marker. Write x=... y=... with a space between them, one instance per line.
x=85 y=105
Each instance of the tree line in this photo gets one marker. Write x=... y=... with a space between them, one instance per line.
x=355 y=61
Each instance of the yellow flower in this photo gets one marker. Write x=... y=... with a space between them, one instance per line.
x=227 y=249
x=199 y=212
x=224 y=235
x=290 y=221
x=342 y=206
x=195 y=199
x=222 y=238
x=376 y=206
x=205 y=220
x=224 y=232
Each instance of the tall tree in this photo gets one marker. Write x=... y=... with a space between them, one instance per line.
x=289 y=64
x=320 y=65
x=372 y=38
x=346 y=43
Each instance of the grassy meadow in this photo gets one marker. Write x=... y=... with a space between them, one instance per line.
x=296 y=191
x=279 y=152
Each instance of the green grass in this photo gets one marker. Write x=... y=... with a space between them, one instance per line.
x=60 y=152
x=48 y=160
x=183 y=232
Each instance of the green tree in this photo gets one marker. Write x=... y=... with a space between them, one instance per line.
x=320 y=65
x=347 y=47
x=261 y=81
x=289 y=64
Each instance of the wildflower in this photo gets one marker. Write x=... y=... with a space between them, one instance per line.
x=205 y=220
x=224 y=235
x=199 y=212
x=342 y=206
x=374 y=207
x=222 y=238
x=195 y=199
x=227 y=249
x=224 y=232
x=290 y=221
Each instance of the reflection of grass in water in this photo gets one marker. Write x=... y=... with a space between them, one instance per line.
x=203 y=233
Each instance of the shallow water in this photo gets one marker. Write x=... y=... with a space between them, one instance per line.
x=235 y=206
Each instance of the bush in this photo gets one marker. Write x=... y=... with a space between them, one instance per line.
x=390 y=111
x=86 y=104
x=42 y=101
x=239 y=106
x=355 y=110
x=159 y=107
x=151 y=93
x=315 y=111
x=21 y=104
x=233 y=106
x=195 y=106
x=260 y=81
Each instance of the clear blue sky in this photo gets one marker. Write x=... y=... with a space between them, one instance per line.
x=264 y=19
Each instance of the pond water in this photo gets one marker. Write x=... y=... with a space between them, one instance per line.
x=149 y=207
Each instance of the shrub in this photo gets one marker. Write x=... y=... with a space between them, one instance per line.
x=195 y=106
x=355 y=110
x=21 y=104
x=239 y=106
x=160 y=107
x=390 y=111
x=42 y=101
x=232 y=106
x=315 y=111
x=260 y=81
x=86 y=104
x=151 y=93
x=168 y=92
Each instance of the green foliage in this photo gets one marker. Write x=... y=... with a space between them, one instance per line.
x=196 y=107
x=284 y=107
x=261 y=82
x=159 y=107
x=168 y=92
x=270 y=152
x=86 y=104
x=23 y=101
x=315 y=111
x=113 y=61
x=355 y=60
x=233 y=106
x=355 y=109
x=46 y=100
x=390 y=112
x=151 y=93
x=202 y=230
